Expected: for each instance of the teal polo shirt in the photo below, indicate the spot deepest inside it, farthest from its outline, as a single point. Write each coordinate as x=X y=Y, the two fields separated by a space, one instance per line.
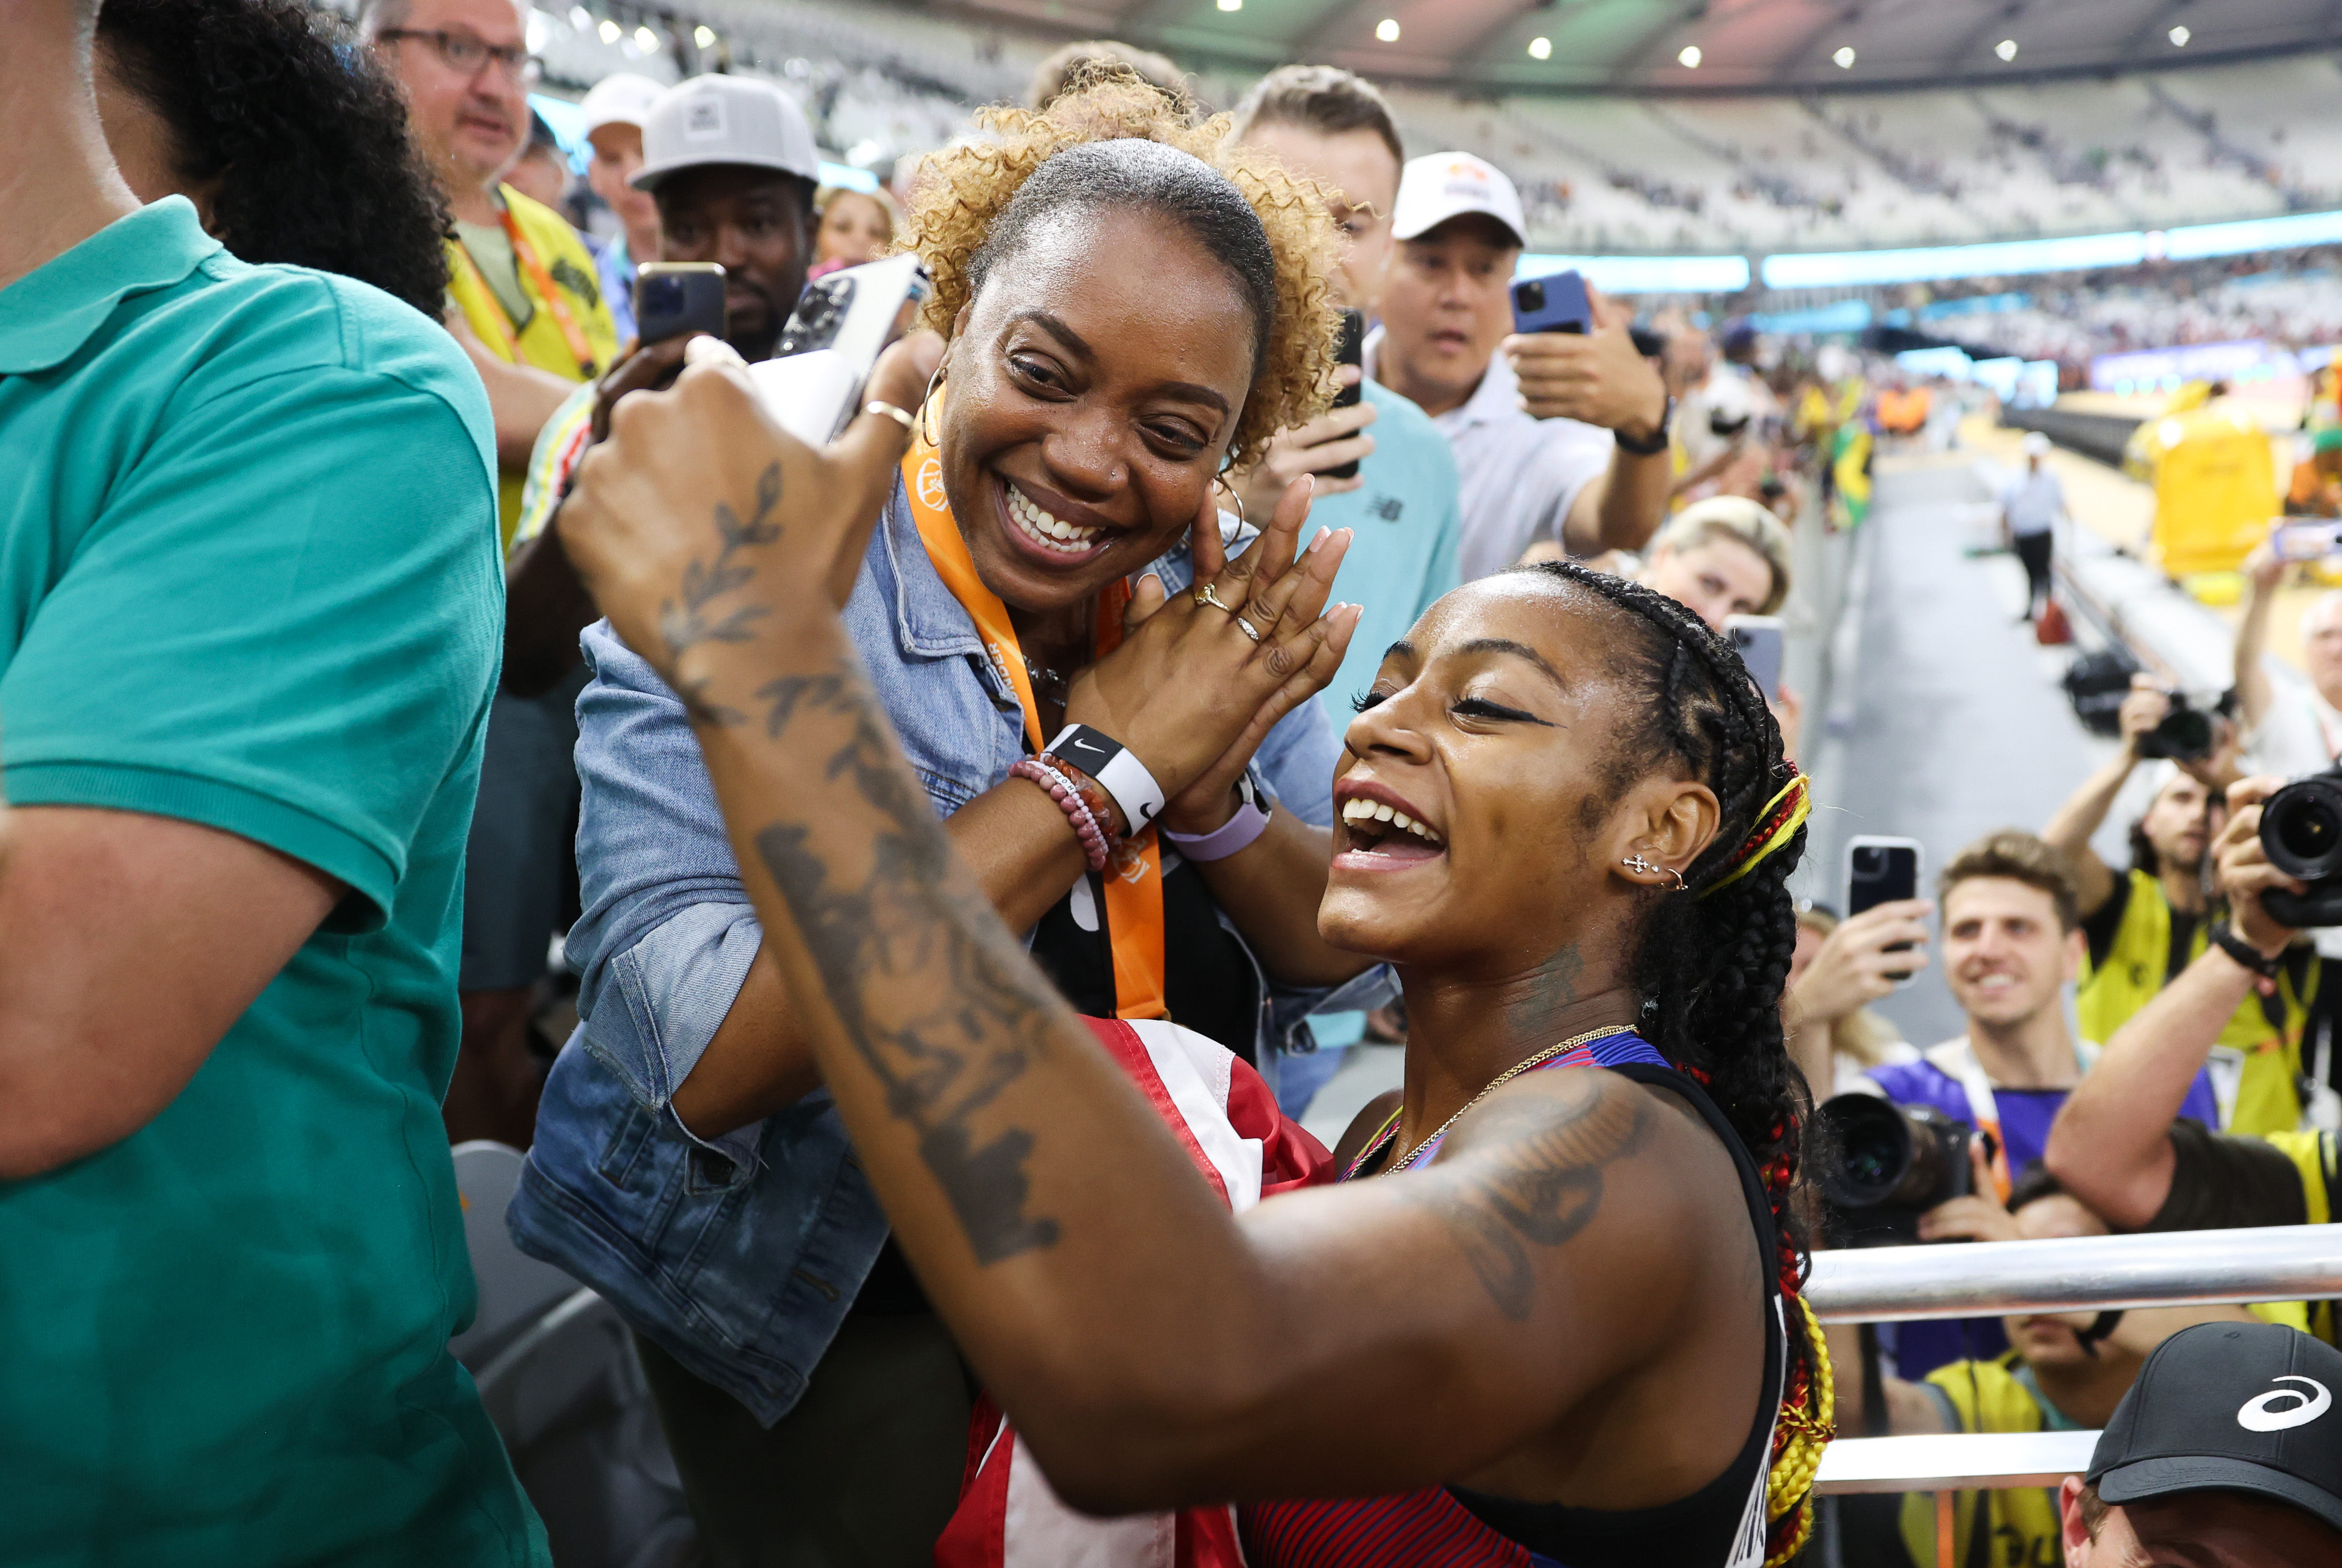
x=249 y=578
x=1405 y=524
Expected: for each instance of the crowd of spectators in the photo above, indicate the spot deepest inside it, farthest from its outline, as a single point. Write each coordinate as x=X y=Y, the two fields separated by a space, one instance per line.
x=364 y=797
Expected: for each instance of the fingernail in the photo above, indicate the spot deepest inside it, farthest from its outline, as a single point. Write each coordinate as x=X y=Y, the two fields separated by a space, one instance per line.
x=1316 y=539
x=1311 y=481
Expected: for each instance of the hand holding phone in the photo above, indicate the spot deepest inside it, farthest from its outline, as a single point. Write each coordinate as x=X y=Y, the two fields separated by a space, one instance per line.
x=813 y=386
x=676 y=299
x=1882 y=870
x=1555 y=303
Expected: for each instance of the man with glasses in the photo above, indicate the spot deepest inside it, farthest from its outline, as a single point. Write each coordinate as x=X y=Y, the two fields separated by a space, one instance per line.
x=522 y=284
x=525 y=303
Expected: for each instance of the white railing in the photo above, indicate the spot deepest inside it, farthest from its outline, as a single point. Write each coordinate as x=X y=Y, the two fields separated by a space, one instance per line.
x=2086 y=1273
x=1986 y=1279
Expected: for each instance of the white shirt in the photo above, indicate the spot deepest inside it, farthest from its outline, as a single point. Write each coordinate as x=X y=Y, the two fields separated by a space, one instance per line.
x=1519 y=475
x=2034 y=503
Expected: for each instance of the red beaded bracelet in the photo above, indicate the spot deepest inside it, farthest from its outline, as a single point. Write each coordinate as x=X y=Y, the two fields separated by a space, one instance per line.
x=1069 y=800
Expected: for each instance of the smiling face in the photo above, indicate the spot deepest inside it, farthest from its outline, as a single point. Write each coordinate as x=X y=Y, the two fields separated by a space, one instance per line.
x=2005 y=955
x=1717 y=577
x=752 y=223
x=1483 y=808
x=1094 y=385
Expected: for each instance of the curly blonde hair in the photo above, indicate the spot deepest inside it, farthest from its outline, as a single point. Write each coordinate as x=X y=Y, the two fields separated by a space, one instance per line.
x=962 y=191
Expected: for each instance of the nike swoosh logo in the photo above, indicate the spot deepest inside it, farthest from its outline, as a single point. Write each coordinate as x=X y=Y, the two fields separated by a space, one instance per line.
x=1080 y=745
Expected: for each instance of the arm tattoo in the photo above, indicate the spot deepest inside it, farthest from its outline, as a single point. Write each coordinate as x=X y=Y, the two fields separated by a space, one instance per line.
x=934 y=993
x=1538 y=1182
x=689 y=624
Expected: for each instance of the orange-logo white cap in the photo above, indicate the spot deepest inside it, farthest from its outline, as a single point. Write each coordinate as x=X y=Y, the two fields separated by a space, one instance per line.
x=1442 y=185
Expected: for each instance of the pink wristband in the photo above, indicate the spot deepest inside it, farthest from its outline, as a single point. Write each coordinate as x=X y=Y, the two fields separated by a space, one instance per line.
x=1069 y=801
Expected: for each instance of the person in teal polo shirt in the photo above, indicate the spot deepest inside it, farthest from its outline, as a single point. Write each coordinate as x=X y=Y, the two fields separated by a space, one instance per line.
x=1335 y=127
x=249 y=607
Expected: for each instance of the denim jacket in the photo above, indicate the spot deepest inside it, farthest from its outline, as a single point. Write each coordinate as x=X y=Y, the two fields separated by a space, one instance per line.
x=740 y=1254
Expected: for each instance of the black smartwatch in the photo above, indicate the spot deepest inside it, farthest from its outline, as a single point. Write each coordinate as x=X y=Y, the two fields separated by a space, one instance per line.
x=2242 y=952
x=1658 y=441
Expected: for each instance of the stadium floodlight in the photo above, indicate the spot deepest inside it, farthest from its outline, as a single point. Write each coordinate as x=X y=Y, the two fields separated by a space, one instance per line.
x=1690 y=57
x=648 y=40
x=609 y=31
x=1231 y=5
x=2005 y=49
x=2179 y=37
x=1388 y=30
x=704 y=35
x=1540 y=48
x=580 y=19
x=1845 y=58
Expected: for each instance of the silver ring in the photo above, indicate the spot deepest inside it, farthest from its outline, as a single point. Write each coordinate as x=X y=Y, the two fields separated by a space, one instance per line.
x=899 y=416
x=1243 y=626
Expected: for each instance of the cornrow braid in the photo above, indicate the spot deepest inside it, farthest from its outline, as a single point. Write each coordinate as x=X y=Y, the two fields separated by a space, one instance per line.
x=1710 y=970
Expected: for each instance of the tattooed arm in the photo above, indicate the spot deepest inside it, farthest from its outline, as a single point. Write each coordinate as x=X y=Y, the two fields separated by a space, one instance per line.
x=1549 y=1284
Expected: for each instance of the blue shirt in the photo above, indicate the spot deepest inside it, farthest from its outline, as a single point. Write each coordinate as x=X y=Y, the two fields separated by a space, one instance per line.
x=741 y=1254
x=1403 y=550
x=615 y=269
x=249 y=580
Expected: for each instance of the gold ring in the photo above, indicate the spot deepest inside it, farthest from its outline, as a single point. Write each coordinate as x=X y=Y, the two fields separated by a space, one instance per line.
x=899 y=415
x=1209 y=594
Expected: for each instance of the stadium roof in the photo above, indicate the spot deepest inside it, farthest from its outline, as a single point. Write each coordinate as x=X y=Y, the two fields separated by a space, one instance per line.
x=1740 y=45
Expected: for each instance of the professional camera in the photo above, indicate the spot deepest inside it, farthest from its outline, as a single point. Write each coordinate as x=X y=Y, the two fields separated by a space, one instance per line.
x=2185 y=736
x=2301 y=831
x=1890 y=1165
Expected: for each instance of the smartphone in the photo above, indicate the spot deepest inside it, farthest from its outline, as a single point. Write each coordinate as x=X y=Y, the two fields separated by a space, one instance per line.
x=673 y=299
x=813 y=386
x=1556 y=303
x=1757 y=640
x=1350 y=348
x=1881 y=871
x=2310 y=541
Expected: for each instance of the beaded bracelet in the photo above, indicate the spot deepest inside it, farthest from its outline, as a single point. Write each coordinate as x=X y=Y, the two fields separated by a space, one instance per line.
x=1069 y=801
x=1094 y=794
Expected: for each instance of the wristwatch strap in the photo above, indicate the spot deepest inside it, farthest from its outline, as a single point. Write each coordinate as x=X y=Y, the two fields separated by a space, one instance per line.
x=1118 y=773
x=1237 y=833
x=1658 y=439
x=2243 y=952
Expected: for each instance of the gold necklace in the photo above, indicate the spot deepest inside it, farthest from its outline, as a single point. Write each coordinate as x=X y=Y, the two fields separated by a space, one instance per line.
x=1498 y=1082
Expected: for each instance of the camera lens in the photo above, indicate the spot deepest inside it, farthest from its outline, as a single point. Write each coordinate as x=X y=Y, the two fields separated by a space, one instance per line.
x=1529 y=295
x=1873 y=1148
x=661 y=295
x=2301 y=829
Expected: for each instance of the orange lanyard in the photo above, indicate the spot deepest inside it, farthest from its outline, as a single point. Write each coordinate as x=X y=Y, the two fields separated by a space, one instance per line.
x=1133 y=882
x=525 y=254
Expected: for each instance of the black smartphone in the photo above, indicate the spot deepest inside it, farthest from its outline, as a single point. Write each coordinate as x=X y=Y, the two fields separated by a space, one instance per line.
x=1350 y=348
x=1881 y=870
x=1555 y=303
x=675 y=298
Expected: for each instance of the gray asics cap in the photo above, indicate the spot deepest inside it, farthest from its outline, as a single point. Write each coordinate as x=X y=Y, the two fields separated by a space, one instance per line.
x=725 y=120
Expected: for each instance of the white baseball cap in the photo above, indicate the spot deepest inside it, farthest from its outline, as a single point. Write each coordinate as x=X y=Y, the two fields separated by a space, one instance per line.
x=725 y=120
x=1443 y=186
x=620 y=100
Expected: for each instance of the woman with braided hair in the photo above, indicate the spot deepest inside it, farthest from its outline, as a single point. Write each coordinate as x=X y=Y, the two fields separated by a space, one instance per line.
x=1540 y=1310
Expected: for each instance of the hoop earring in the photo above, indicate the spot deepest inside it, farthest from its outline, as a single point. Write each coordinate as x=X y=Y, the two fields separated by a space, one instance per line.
x=933 y=380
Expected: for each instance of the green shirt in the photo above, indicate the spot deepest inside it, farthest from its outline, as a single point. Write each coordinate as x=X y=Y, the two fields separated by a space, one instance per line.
x=248 y=578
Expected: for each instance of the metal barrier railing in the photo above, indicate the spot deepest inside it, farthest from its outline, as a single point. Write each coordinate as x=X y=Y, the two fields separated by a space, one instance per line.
x=1984 y=1279
x=2086 y=1273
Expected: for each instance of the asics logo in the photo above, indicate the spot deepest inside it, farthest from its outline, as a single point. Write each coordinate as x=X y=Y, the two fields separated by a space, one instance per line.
x=2259 y=1415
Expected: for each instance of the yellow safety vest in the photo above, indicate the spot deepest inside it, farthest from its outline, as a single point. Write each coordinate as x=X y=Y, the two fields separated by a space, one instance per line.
x=2312 y=1154
x=541 y=341
x=2136 y=967
x=2021 y=1521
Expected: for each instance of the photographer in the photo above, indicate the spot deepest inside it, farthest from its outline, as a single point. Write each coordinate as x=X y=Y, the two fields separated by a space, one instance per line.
x=2064 y=1371
x=2115 y=1143
x=1558 y=436
x=2011 y=942
x=2144 y=926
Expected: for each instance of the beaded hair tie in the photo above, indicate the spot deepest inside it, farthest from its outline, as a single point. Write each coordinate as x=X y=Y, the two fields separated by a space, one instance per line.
x=1776 y=824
